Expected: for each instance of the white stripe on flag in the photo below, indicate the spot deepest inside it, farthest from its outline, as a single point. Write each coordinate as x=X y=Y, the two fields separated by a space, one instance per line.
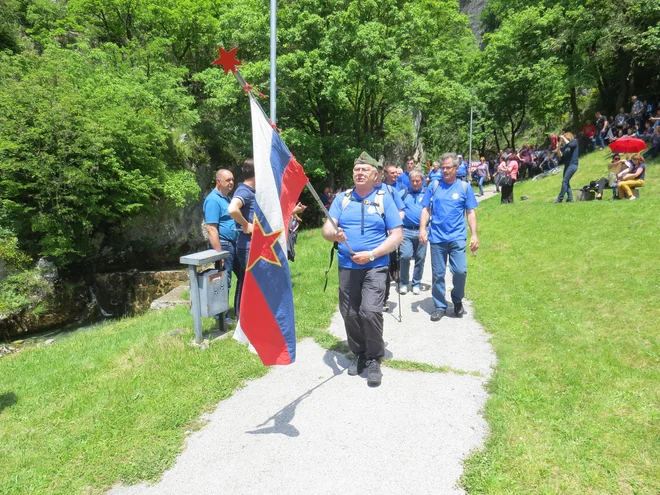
x=266 y=194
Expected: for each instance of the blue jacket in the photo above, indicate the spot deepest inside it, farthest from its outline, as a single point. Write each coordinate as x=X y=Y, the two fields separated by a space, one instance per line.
x=570 y=153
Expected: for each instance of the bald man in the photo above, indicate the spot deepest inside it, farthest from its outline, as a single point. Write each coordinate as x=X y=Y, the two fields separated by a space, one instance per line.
x=220 y=226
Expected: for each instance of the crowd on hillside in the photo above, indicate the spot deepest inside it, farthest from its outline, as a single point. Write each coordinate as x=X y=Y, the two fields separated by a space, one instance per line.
x=512 y=166
x=643 y=122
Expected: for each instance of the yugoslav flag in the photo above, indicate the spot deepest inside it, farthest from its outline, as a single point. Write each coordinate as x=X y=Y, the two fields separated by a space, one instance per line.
x=266 y=315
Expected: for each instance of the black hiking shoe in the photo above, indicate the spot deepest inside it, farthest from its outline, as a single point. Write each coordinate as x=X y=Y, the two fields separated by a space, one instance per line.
x=437 y=314
x=458 y=310
x=358 y=365
x=374 y=375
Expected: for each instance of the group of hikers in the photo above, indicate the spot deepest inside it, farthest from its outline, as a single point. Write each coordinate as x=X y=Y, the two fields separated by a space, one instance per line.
x=382 y=225
x=382 y=212
x=384 y=222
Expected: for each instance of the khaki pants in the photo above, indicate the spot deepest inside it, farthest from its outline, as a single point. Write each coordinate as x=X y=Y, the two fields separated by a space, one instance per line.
x=625 y=187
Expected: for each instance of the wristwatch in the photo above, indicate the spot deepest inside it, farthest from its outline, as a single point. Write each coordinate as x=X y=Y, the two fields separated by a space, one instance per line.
x=371 y=256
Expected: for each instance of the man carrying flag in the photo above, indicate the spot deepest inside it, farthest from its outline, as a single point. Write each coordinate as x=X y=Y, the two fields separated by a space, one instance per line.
x=266 y=315
x=369 y=222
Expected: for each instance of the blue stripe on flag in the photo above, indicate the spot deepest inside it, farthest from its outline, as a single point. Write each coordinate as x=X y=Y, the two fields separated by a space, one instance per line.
x=279 y=159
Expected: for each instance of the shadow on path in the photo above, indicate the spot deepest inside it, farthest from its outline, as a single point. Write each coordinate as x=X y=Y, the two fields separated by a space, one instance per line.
x=282 y=418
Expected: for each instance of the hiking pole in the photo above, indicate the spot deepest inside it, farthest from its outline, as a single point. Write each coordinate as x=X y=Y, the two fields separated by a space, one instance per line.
x=398 y=276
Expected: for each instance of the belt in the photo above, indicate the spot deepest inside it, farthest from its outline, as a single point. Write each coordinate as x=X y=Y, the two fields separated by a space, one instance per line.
x=411 y=228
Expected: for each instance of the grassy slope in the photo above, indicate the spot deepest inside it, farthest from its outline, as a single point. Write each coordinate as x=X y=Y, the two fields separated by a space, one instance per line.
x=113 y=403
x=574 y=400
x=571 y=294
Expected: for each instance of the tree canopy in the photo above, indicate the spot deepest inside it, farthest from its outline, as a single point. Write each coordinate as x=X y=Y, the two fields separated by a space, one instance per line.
x=111 y=109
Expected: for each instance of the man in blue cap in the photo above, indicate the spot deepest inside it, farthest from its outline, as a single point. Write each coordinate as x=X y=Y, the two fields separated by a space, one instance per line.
x=368 y=221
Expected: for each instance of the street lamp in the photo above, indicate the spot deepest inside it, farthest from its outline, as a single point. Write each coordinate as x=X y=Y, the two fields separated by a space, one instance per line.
x=470 y=154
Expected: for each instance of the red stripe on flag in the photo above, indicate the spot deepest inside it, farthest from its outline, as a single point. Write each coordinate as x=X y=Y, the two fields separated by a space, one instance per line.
x=293 y=181
x=261 y=327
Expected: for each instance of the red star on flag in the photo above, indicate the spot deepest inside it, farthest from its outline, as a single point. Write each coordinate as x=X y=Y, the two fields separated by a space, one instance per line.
x=227 y=59
x=262 y=245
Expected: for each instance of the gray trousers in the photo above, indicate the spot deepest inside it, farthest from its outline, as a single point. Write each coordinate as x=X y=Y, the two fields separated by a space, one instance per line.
x=361 y=298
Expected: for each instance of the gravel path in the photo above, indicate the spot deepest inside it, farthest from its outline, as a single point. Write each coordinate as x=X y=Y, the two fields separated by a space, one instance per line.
x=311 y=428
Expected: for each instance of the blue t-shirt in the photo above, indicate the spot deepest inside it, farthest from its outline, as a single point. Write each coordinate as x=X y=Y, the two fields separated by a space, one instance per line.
x=393 y=192
x=434 y=175
x=375 y=227
x=462 y=169
x=216 y=211
x=450 y=201
x=246 y=195
x=403 y=181
x=412 y=201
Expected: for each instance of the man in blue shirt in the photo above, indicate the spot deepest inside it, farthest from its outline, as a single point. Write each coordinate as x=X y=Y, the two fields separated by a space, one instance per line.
x=220 y=227
x=403 y=181
x=241 y=210
x=463 y=172
x=390 y=187
x=444 y=204
x=410 y=246
x=368 y=222
x=434 y=173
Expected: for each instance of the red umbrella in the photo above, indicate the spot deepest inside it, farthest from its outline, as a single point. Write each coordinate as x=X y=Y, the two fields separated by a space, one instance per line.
x=628 y=145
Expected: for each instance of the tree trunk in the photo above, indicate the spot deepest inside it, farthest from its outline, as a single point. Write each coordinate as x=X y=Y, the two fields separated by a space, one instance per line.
x=625 y=62
x=574 y=109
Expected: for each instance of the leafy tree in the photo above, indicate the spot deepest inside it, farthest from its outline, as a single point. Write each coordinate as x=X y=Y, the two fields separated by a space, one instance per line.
x=83 y=140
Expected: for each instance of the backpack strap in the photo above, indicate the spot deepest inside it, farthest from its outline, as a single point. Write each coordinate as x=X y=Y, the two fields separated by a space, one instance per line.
x=378 y=202
x=334 y=247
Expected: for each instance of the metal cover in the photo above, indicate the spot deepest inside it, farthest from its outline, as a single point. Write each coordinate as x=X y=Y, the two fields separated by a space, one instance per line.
x=213 y=292
x=203 y=257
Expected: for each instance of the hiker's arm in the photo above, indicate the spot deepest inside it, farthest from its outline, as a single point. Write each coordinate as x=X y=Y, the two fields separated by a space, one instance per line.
x=214 y=236
x=423 y=222
x=330 y=234
x=234 y=210
x=472 y=223
x=393 y=240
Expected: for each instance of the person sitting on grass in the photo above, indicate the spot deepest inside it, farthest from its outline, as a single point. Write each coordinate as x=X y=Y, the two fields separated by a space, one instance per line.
x=632 y=177
x=614 y=167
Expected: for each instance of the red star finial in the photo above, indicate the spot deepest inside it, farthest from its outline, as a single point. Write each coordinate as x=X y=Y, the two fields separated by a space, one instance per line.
x=261 y=245
x=227 y=59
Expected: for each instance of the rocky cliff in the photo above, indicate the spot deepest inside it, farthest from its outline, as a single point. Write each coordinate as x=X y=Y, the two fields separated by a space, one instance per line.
x=473 y=8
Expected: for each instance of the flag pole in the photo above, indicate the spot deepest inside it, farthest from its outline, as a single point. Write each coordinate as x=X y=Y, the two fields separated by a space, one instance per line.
x=229 y=63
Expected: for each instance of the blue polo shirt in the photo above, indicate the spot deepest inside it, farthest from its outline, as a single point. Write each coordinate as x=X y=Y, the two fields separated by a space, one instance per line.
x=216 y=210
x=403 y=181
x=412 y=206
x=462 y=169
x=393 y=192
x=450 y=202
x=434 y=175
x=375 y=227
x=246 y=195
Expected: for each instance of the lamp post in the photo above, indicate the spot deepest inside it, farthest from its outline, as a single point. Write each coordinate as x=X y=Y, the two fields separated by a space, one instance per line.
x=273 y=60
x=470 y=154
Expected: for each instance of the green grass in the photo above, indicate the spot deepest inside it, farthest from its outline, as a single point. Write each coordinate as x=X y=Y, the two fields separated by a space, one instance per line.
x=571 y=294
x=112 y=403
